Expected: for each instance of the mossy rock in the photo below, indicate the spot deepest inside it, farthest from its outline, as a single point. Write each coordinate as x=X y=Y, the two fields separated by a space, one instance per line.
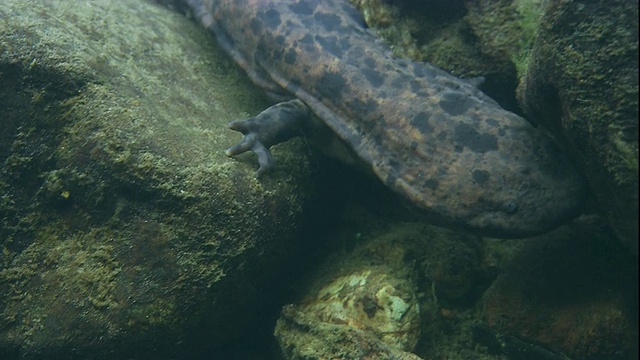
x=124 y=227
x=582 y=85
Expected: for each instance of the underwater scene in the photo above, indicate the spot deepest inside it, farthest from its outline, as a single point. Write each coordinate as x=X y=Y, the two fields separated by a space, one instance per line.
x=319 y=179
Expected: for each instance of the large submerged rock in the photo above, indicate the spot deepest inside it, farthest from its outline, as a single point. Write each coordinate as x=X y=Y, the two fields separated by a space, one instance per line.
x=361 y=305
x=582 y=84
x=124 y=228
x=399 y=293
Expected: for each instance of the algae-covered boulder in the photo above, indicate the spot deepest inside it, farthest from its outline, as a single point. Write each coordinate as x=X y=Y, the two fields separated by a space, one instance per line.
x=124 y=228
x=360 y=305
x=582 y=84
x=402 y=292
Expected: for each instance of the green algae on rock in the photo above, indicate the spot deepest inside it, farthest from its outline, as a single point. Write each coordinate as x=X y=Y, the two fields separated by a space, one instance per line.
x=389 y=293
x=582 y=85
x=360 y=306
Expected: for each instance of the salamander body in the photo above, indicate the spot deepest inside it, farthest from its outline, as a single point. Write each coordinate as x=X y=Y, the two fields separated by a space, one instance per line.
x=431 y=137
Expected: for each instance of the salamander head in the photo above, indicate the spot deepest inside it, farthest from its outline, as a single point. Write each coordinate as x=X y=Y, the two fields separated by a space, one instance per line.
x=505 y=179
x=542 y=199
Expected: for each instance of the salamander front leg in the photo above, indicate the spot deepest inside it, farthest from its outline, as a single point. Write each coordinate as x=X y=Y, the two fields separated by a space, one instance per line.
x=274 y=125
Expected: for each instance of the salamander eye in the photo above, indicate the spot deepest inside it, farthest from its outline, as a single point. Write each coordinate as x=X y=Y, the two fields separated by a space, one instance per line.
x=510 y=207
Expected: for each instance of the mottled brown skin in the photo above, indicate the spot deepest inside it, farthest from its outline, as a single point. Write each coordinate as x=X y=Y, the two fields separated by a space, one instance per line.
x=429 y=136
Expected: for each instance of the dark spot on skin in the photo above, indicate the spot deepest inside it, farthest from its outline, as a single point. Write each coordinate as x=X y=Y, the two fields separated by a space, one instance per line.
x=415 y=86
x=256 y=26
x=455 y=103
x=271 y=18
x=331 y=85
x=360 y=108
x=279 y=40
x=330 y=44
x=501 y=131
x=371 y=106
x=369 y=62
x=356 y=104
x=377 y=139
x=483 y=143
x=290 y=57
x=413 y=145
x=421 y=122
x=260 y=53
x=431 y=184
x=480 y=176
x=303 y=8
x=306 y=40
x=465 y=135
x=375 y=79
x=329 y=21
x=276 y=55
